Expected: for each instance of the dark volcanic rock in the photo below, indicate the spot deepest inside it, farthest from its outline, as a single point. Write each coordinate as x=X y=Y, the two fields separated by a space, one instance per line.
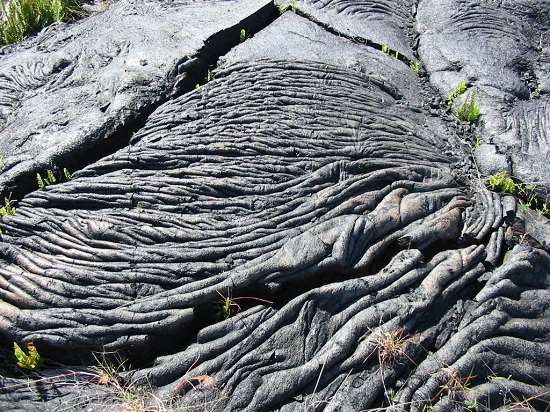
x=501 y=49
x=66 y=91
x=308 y=174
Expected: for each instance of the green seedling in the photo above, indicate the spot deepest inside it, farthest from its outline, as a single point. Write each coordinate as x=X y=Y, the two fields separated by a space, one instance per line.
x=282 y=8
x=396 y=55
x=415 y=66
x=293 y=7
x=243 y=36
x=8 y=208
x=530 y=199
x=469 y=110
x=27 y=361
x=497 y=180
x=392 y=395
x=228 y=306
x=2 y=164
x=67 y=174
x=385 y=48
x=40 y=181
x=499 y=378
x=50 y=178
x=458 y=91
x=207 y=78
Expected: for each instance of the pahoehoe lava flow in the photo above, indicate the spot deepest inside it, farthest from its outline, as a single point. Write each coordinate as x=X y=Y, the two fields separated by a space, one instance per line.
x=319 y=188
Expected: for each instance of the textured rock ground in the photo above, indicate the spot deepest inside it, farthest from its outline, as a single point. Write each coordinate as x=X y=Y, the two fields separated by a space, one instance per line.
x=319 y=181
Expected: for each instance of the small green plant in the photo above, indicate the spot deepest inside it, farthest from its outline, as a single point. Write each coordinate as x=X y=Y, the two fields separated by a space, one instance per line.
x=50 y=178
x=2 y=164
x=392 y=396
x=385 y=48
x=415 y=66
x=471 y=404
x=21 y=18
x=67 y=174
x=8 y=208
x=24 y=360
x=293 y=6
x=529 y=197
x=469 y=109
x=46 y=181
x=282 y=8
x=228 y=306
x=503 y=183
x=495 y=377
x=461 y=88
x=243 y=36
x=396 y=54
x=207 y=78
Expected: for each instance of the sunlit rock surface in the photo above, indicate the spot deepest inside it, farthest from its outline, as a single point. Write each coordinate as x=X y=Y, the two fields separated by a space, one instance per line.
x=317 y=181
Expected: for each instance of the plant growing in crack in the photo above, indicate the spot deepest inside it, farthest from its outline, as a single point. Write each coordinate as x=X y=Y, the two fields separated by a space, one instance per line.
x=243 y=36
x=527 y=194
x=228 y=306
x=51 y=177
x=207 y=78
x=7 y=209
x=460 y=89
x=415 y=66
x=29 y=360
x=469 y=109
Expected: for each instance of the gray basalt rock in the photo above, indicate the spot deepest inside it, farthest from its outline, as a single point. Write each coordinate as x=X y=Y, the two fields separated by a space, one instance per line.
x=502 y=51
x=71 y=88
x=369 y=265
x=373 y=22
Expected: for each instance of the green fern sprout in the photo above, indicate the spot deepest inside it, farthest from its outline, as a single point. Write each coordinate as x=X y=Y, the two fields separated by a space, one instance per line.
x=50 y=179
x=7 y=209
x=469 y=110
x=415 y=66
x=458 y=91
x=243 y=37
x=530 y=199
x=67 y=174
x=27 y=361
x=501 y=181
x=40 y=181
